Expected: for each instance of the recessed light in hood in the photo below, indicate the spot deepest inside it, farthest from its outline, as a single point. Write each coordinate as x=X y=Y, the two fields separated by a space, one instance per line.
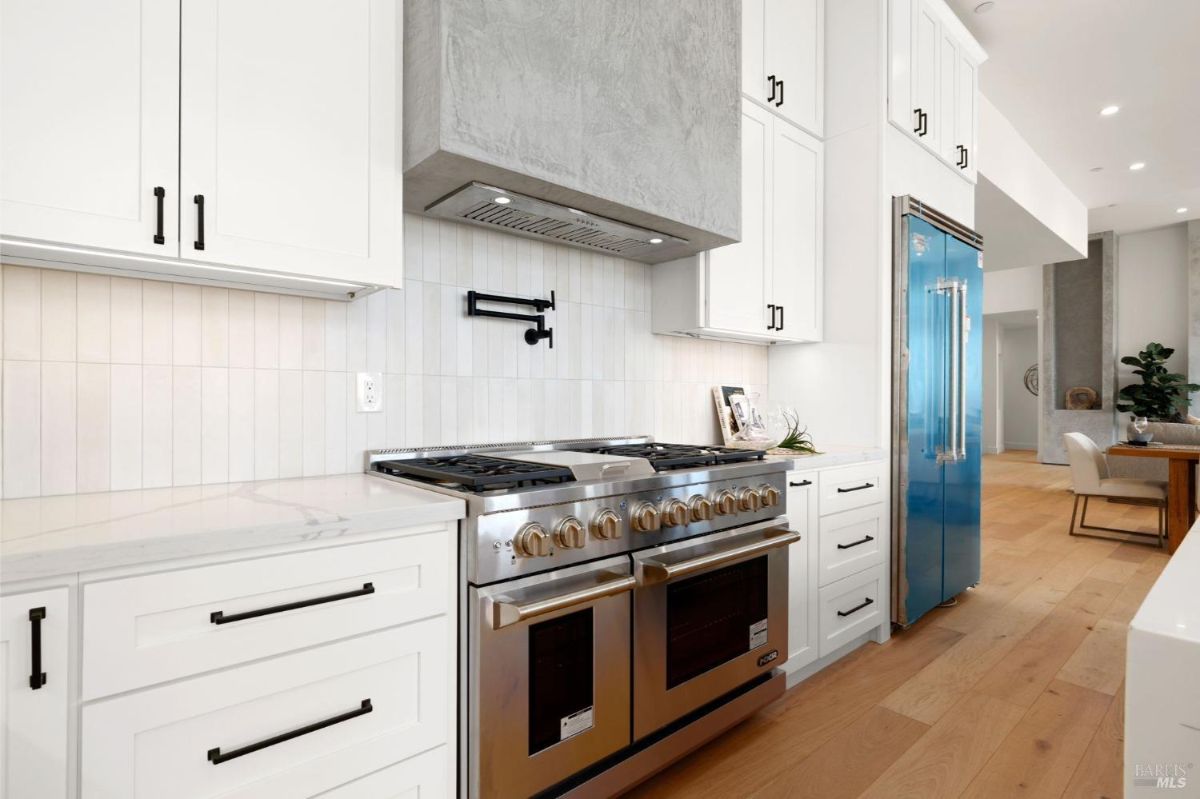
x=489 y=206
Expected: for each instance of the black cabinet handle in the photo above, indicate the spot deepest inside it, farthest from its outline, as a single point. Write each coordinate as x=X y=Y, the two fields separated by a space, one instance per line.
x=866 y=601
x=219 y=617
x=772 y=325
x=159 y=195
x=779 y=102
x=966 y=158
x=856 y=488
x=917 y=129
x=37 y=677
x=199 y=201
x=771 y=83
x=800 y=484
x=780 y=318
x=216 y=756
x=859 y=542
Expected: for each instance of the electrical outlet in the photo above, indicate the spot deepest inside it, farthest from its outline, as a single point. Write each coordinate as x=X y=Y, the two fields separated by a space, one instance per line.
x=370 y=392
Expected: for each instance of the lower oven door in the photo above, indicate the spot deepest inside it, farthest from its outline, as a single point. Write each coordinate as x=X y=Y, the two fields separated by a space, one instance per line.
x=548 y=677
x=710 y=614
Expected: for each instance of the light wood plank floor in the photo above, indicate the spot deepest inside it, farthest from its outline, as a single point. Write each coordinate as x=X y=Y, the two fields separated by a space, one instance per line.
x=1015 y=691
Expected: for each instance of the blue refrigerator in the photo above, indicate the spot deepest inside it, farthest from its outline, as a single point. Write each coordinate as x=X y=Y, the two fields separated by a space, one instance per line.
x=937 y=411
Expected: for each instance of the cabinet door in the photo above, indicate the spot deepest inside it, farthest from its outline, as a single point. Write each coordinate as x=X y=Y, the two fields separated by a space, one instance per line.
x=737 y=273
x=802 y=586
x=794 y=38
x=754 y=75
x=89 y=122
x=796 y=280
x=33 y=708
x=425 y=776
x=947 y=117
x=289 y=133
x=966 y=111
x=926 y=38
x=900 y=96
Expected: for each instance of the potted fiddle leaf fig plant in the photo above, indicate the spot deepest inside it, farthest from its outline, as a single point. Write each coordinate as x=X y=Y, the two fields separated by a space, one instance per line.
x=1162 y=396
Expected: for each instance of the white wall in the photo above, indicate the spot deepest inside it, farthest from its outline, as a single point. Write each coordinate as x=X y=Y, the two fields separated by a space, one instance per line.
x=115 y=383
x=1152 y=294
x=1018 y=351
x=1010 y=290
x=993 y=406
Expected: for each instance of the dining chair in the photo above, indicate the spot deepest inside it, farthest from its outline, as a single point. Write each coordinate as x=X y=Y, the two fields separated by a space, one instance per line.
x=1089 y=478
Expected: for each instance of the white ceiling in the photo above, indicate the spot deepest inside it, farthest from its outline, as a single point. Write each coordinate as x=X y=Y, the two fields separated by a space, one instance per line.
x=1053 y=64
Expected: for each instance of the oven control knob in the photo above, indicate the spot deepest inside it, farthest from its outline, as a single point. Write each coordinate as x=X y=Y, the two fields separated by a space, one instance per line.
x=725 y=502
x=701 y=509
x=606 y=525
x=532 y=541
x=674 y=513
x=749 y=499
x=570 y=533
x=769 y=494
x=646 y=518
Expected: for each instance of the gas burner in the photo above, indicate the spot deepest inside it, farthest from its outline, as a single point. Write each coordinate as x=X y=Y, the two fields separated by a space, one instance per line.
x=476 y=472
x=665 y=457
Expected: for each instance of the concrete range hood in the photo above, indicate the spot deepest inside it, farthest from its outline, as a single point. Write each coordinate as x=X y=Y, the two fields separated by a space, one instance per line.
x=610 y=124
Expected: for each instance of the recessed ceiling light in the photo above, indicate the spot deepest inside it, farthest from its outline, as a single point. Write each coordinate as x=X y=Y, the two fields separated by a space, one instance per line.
x=1181 y=210
x=659 y=241
x=1109 y=110
x=502 y=200
x=1136 y=165
x=984 y=7
x=1097 y=169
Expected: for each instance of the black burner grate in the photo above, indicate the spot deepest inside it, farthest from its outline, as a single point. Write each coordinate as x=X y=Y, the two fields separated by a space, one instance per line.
x=664 y=457
x=476 y=472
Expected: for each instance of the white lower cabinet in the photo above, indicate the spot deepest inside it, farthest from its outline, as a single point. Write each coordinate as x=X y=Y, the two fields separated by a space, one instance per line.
x=851 y=541
x=34 y=631
x=802 y=560
x=849 y=608
x=290 y=726
x=425 y=776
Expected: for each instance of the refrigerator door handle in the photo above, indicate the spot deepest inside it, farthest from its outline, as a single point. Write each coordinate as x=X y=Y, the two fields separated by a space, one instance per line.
x=955 y=441
x=964 y=330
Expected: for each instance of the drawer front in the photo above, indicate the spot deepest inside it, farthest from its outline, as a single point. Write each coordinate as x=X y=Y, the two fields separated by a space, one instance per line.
x=849 y=608
x=851 y=487
x=294 y=725
x=144 y=630
x=425 y=776
x=850 y=542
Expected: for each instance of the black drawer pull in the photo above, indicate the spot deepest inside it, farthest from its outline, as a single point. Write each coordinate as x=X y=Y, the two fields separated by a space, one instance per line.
x=801 y=484
x=859 y=542
x=862 y=487
x=219 y=617
x=856 y=608
x=216 y=756
x=37 y=677
x=159 y=194
x=199 y=201
x=772 y=325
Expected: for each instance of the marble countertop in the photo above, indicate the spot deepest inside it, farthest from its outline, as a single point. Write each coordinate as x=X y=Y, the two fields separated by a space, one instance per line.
x=1171 y=608
x=833 y=455
x=48 y=536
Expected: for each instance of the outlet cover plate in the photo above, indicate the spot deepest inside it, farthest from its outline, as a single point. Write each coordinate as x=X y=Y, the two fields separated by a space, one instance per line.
x=370 y=392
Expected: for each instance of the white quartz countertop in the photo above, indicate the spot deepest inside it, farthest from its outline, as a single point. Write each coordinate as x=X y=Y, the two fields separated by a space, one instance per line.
x=1172 y=608
x=48 y=536
x=833 y=455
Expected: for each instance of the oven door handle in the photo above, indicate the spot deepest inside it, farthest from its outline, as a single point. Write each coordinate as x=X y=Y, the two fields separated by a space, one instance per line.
x=506 y=613
x=654 y=571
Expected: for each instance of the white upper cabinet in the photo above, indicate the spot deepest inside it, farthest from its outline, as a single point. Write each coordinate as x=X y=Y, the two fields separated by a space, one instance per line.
x=288 y=133
x=796 y=219
x=933 y=85
x=239 y=141
x=783 y=58
x=89 y=123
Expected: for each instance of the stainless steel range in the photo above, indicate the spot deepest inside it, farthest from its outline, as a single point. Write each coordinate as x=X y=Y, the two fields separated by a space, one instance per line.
x=623 y=601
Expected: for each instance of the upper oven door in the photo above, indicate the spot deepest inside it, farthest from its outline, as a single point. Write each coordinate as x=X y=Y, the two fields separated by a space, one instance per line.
x=709 y=614
x=548 y=676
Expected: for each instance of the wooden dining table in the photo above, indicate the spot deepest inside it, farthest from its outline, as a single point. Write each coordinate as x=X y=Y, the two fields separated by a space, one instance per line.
x=1181 y=483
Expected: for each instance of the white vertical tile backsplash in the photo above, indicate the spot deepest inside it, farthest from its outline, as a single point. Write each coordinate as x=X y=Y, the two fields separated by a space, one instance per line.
x=114 y=383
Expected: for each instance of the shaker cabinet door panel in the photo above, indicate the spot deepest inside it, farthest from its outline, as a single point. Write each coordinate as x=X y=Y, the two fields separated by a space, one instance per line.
x=926 y=38
x=89 y=122
x=289 y=133
x=966 y=114
x=794 y=36
x=796 y=227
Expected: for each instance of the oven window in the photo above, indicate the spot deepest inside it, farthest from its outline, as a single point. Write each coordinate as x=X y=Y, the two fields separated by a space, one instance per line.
x=714 y=617
x=560 y=679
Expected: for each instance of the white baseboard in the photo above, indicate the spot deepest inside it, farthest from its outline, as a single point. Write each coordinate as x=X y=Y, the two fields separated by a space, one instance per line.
x=1021 y=446
x=993 y=450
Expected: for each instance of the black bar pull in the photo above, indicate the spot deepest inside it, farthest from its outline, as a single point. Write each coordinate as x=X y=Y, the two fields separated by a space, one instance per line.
x=854 y=544
x=866 y=601
x=216 y=756
x=917 y=129
x=772 y=325
x=219 y=617
x=37 y=677
x=199 y=201
x=966 y=158
x=780 y=318
x=771 y=82
x=856 y=488
x=800 y=484
x=780 y=101
x=159 y=194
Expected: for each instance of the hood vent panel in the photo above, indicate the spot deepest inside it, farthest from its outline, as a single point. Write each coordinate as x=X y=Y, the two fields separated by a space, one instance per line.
x=527 y=216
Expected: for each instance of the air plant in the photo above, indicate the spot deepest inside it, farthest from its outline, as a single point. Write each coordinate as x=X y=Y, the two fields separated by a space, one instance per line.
x=796 y=439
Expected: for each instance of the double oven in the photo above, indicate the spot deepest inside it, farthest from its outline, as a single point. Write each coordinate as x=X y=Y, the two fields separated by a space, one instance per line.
x=573 y=669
